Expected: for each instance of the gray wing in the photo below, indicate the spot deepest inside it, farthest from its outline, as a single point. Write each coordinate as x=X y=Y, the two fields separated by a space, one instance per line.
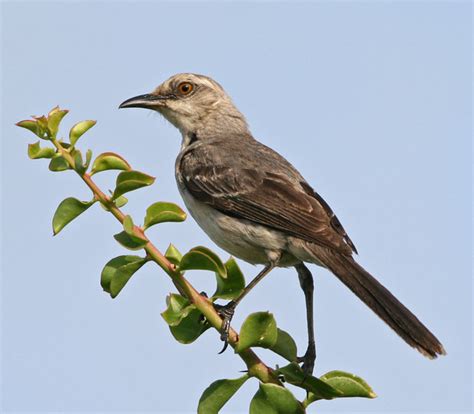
x=272 y=194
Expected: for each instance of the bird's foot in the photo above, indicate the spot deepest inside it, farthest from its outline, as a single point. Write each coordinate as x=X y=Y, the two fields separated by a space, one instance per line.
x=226 y=312
x=308 y=359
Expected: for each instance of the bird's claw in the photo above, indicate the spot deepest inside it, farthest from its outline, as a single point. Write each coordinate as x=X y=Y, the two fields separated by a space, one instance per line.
x=226 y=312
x=308 y=360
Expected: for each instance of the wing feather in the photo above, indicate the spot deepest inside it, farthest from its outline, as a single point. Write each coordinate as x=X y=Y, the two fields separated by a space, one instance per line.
x=266 y=197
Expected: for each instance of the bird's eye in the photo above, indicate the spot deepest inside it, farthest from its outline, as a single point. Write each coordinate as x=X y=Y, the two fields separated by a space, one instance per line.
x=185 y=88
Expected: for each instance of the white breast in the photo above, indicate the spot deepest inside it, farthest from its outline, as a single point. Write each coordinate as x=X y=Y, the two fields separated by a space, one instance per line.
x=251 y=242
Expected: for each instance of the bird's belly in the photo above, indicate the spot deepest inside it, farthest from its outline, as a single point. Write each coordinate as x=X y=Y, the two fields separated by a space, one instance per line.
x=241 y=238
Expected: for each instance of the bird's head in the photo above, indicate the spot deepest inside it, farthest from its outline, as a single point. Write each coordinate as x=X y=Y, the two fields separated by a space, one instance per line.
x=193 y=104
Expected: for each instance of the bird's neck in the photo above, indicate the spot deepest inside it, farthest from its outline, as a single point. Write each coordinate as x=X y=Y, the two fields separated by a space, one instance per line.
x=215 y=125
x=225 y=121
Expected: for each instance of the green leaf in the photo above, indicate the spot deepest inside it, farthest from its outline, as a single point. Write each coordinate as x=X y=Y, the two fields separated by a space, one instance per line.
x=35 y=151
x=163 y=212
x=202 y=258
x=190 y=327
x=131 y=180
x=58 y=163
x=67 y=211
x=231 y=286
x=177 y=308
x=259 y=329
x=120 y=201
x=109 y=161
x=128 y=225
x=348 y=384
x=79 y=129
x=218 y=393
x=78 y=162
x=285 y=346
x=55 y=117
x=122 y=275
x=185 y=321
x=88 y=159
x=294 y=375
x=30 y=125
x=130 y=242
x=173 y=255
x=118 y=271
x=42 y=127
x=274 y=399
x=111 y=266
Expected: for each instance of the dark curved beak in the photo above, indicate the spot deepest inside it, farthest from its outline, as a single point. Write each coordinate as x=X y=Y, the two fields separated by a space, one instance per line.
x=148 y=101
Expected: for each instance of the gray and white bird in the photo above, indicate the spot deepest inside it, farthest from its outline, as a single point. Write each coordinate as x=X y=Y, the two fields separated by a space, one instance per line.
x=255 y=205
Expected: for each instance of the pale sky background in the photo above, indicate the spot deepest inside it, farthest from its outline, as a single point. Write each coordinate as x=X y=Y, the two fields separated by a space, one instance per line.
x=371 y=101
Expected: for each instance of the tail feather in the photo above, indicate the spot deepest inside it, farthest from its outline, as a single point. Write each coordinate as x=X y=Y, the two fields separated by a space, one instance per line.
x=381 y=301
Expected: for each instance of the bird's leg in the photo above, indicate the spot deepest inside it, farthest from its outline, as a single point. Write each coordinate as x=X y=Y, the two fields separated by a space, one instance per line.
x=306 y=282
x=227 y=311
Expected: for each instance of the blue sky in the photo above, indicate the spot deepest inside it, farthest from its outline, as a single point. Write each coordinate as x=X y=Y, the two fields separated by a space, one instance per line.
x=371 y=101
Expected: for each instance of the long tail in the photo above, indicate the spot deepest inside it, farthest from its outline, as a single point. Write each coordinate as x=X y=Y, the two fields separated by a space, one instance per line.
x=381 y=301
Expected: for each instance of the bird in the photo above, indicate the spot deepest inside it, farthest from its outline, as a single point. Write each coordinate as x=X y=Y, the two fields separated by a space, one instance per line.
x=256 y=206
